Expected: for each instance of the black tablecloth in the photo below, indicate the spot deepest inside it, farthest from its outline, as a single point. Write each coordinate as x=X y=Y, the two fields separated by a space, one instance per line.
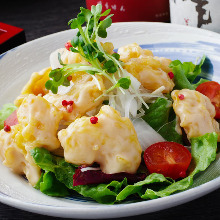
x=42 y=17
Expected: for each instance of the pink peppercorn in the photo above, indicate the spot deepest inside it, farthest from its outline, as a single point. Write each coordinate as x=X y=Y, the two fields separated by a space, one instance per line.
x=69 y=108
x=94 y=120
x=64 y=103
x=7 y=128
x=70 y=103
x=171 y=75
x=68 y=45
x=181 y=96
x=69 y=78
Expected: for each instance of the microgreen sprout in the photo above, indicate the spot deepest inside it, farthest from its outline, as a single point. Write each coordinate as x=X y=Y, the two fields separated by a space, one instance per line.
x=86 y=43
x=123 y=83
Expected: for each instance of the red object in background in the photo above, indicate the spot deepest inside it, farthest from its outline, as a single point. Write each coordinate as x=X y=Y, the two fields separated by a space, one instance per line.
x=140 y=10
x=10 y=37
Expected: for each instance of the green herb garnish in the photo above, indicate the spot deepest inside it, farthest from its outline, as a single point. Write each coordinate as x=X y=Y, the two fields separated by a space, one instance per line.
x=86 y=43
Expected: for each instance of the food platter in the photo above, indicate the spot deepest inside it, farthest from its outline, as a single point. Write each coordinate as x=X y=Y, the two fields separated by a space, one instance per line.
x=171 y=41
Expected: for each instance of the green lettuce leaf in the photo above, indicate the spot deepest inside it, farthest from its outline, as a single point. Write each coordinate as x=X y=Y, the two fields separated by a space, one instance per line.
x=6 y=110
x=200 y=82
x=174 y=187
x=53 y=183
x=138 y=187
x=162 y=119
x=49 y=185
x=102 y=193
x=180 y=78
x=63 y=172
x=37 y=186
x=46 y=161
x=203 y=152
x=185 y=73
x=158 y=113
x=168 y=132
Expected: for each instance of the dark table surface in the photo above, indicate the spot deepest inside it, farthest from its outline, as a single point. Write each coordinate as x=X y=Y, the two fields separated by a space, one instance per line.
x=43 y=17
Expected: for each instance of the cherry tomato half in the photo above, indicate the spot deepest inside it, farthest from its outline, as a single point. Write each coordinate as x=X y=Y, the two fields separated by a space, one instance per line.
x=12 y=119
x=168 y=158
x=212 y=91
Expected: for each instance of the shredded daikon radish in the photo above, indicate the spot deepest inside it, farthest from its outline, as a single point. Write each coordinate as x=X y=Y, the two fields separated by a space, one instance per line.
x=54 y=61
x=159 y=90
x=111 y=100
x=97 y=82
x=142 y=113
x=146 y=134
x=129 y=104
x=65 y=89
x=89 y=168
x=92 y=112
x=134 y=82
x=134 y=108
x=127 y=101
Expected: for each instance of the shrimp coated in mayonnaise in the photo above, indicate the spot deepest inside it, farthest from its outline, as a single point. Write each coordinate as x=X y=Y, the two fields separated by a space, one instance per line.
x=151 y=71
x=112 y=142
x=195 y=111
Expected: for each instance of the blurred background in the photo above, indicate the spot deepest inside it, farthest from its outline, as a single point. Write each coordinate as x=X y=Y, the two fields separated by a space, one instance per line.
x=42 y=17
x=131 y=10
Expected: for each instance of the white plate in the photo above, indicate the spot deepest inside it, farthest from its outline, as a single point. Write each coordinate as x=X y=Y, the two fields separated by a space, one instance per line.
x=16 y=66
